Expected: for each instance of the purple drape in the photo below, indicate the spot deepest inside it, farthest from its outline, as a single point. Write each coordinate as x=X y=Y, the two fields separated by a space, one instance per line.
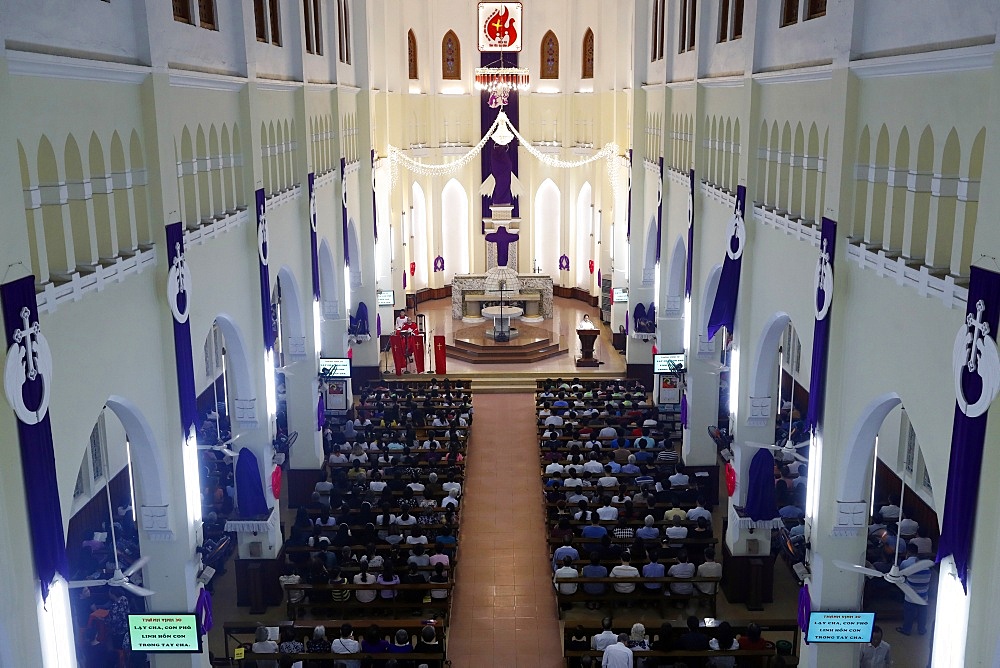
x=265 y=278
x=761 y=503
x=187 y=396
x=727 y=296
x=320 y=412
x=821 y=329
x=343 y=209
x=488 y=115
x=313 y=246
x=659 y=210
x=628 y=205
x=684 y=410
x=969 y=429
x=374 y=200
x=689 y=270
x=249 y=487
x=38 y=462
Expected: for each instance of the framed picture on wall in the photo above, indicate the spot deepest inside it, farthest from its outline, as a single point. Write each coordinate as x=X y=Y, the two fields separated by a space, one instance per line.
x=336 y=395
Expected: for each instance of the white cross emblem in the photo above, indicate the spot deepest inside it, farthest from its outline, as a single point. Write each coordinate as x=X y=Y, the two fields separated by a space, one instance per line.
x=28 y=359
x=690 y=209
x=312 y=209
x=263 y=236
x=823 y=280
x=343 y=190
x=975 y=351
x=737 y=231
x=179 y=281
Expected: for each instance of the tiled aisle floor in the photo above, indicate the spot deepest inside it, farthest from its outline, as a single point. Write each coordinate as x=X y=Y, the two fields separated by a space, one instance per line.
x=504 y=612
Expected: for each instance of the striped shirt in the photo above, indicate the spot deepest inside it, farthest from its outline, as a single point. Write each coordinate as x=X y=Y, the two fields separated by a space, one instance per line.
x=920 y=581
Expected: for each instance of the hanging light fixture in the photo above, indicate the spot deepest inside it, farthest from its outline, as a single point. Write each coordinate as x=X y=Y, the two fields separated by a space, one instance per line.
x=500 y=82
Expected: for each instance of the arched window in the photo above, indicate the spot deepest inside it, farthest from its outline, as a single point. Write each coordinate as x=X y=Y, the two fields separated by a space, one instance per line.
x=588 y=55
x=451 y=56
x=411 y=54
x=550 y=56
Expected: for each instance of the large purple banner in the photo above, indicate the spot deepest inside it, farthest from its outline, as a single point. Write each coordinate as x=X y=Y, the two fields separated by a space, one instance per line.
x=263 y=242
x=628 y=199
x=313 y=245
x=690 y=249
x=179 y=298
x=374 y=200
x=823 y=283
x=976 y=365
x=488 y=115
x=28 y=385
x=726 y=297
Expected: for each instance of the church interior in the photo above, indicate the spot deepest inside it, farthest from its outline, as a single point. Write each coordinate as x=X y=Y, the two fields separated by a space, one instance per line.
x=342 y=327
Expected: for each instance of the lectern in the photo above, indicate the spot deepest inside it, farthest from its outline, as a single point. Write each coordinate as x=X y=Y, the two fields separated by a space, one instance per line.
x=587 y=339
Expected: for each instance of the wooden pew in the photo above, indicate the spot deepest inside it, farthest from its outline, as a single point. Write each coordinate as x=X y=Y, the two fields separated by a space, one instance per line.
x=352 y=607
x=641 y=593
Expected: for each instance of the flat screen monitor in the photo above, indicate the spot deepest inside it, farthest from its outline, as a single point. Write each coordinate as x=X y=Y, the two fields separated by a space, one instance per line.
x=164 y=633
x=335 y=367
x=840 y=627
x=385 y=297
x=619 y=295
x=668 y=363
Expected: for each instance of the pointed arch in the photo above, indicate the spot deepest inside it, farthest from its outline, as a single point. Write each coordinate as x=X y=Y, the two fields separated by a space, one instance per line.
x=238 y=365
x=149 y=471
x=293 y=324
x=354 y=248
x=549 y=68
x=584 y=234
x=330 y=289
x=587 y=69
x=411 y=55
x=451 y=56
x=84 y=237
x=201 y=170
x=546 y=224
x=649 y=253
x=455 y=224
x=103 y=200
x=895 y=220
x=969 y=195
x=674 y=306
x=420 y=251
x=861 y=183
x=708 y=301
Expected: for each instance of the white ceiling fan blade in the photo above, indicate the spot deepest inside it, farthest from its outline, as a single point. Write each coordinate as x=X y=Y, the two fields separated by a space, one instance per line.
x=801 y=458
x=871 y=572
x=136 y=589
x=921 y=565
x=911 y=595
x=762 y=446
x=134 y=568
x=77 y=584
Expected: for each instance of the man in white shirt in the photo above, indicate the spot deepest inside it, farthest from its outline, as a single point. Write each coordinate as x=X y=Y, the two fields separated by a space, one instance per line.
x=679 y=479
x=607 y=512
x=625 y=570
x=565 y=571
x=618 y=655
x=451 y=485
x=607 y=432
x=676 y=531
x=554 y=467
x=606 y=637
x=593 y=464
x=554 y=421
x=877 y=653
x=346 y=644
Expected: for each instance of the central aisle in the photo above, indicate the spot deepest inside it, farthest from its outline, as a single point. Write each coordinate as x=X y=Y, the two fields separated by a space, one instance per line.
x=504 y=613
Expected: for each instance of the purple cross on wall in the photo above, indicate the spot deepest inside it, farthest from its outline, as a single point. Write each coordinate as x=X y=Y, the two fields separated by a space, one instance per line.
x=503 y=239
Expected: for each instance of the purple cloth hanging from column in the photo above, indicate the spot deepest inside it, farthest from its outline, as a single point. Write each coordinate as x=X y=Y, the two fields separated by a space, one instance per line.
x=689 y=270
x=263 y=242
x=659 y=210
x=313 y=246
x=628 y=205
x=179 y=283
x=726 y=297
x=821 y=329
x=320 y=412
x=684 y=410
x=976 y=387
x=343 y=209
x=250 y=487
x=374 y=200
x=761 y=504
x=29 y=356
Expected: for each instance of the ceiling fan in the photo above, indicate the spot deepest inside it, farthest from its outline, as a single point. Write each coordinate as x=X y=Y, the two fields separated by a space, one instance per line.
x=896 y=575
x=223 y=447
x=120 y=578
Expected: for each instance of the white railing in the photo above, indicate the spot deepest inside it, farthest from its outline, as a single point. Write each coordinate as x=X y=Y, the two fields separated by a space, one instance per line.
x=208 y=231
x=94 y=279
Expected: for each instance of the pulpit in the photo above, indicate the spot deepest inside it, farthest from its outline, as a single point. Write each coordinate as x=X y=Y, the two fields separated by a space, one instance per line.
x=587 y=339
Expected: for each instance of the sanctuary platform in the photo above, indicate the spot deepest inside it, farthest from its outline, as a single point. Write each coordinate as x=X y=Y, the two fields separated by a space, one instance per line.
x=532 y=344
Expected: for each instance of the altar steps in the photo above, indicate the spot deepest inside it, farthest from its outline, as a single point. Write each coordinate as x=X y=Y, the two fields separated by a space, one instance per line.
x=513 y=352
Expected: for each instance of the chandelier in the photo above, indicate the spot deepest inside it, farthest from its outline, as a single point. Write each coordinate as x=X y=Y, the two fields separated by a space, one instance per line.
x=499 y=82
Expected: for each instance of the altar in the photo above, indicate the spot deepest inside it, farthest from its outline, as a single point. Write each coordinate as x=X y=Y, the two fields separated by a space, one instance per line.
x=469 y=295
